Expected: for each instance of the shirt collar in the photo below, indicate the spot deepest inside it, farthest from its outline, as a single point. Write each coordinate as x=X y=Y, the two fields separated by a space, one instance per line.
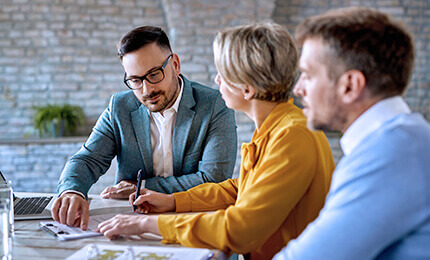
x=175 y=105
x=371 y=120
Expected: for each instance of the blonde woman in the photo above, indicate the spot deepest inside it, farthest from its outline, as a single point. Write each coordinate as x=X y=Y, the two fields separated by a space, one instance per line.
x=285 y=169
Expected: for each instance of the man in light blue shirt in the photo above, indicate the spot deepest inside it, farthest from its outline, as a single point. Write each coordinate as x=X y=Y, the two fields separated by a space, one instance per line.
x=356 y=64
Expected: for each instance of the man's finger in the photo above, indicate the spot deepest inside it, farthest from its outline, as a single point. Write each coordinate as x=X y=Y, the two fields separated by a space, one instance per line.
x=126 y=190
x=123 y=184
x=85 y=215
x=55 y=208
x=71 y=213
x=122 y=193
x=108 y=191
x=63 y=210
x=104 y=193
x=77 y=221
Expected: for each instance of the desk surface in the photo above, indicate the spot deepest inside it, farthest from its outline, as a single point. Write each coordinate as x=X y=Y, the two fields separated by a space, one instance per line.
x=30 y=242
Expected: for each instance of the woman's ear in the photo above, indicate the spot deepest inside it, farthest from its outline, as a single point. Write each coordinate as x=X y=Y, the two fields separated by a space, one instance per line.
x=351 y=85
x=248 y=92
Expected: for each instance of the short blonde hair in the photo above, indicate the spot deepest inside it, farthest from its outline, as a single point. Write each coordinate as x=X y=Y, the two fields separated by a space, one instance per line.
x=261 y=55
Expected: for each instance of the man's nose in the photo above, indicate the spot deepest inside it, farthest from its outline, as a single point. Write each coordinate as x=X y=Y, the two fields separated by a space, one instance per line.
x=299 y=89
x=148 y=88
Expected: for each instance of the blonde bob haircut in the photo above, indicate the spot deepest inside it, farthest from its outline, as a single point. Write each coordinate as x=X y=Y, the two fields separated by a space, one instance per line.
x=262 y=55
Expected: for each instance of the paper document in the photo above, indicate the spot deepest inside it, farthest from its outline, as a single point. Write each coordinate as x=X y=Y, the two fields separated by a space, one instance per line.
x=63 y=232
x=99 y=206
x=112 y=252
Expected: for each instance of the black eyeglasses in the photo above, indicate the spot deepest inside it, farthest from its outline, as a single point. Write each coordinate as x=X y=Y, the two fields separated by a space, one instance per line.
x=153 y=77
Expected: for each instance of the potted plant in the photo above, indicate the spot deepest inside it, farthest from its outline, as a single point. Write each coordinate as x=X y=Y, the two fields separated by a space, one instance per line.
x=58 y=120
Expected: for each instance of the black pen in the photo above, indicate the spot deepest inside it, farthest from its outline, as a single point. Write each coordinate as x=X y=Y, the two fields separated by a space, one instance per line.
x=139 y=183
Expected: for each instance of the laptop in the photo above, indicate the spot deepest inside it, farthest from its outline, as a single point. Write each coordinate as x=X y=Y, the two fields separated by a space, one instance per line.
x=30 y=207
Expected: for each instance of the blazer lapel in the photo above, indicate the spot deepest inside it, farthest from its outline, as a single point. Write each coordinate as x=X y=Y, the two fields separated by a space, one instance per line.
x=141 y=124
x=184 y=119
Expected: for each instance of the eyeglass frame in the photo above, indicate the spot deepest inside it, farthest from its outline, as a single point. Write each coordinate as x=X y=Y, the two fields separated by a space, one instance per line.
x=144 y=77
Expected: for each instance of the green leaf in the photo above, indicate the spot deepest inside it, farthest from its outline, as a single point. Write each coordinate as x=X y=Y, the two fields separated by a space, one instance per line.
x=45 y=116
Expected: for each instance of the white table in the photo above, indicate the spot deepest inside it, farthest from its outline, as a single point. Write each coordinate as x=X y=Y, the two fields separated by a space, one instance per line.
x=30 y=242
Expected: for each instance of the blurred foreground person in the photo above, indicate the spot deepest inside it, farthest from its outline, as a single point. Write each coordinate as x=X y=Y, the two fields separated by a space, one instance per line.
x=356 y=64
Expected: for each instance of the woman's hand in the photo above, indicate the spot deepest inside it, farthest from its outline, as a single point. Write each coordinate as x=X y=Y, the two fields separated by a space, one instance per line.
x=151 y=201
x=128 y=225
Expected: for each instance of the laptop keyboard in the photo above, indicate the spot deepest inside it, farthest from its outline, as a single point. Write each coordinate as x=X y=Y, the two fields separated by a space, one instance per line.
x=31 y=205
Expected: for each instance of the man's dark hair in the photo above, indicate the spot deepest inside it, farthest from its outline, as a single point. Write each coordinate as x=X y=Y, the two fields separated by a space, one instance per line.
x=140 y=37
x=366 y=40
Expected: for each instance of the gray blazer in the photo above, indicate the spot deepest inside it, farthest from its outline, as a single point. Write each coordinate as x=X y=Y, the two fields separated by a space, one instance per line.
x=204 y=143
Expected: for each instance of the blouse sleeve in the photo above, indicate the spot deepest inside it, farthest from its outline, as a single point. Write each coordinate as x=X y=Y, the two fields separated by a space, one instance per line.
x=207 y=197
x=281 y=175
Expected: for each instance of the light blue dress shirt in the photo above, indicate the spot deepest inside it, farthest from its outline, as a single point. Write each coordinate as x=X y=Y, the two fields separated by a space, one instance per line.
x=378 y=206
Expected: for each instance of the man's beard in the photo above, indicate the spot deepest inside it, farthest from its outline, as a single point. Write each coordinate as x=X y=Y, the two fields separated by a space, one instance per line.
x=164 y=102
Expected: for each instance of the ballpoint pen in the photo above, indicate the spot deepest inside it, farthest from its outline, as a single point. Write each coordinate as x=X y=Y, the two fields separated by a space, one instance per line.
x=139 y=183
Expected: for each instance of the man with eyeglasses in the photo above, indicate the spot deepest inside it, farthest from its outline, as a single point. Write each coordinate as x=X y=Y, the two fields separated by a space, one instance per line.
x=177 y=132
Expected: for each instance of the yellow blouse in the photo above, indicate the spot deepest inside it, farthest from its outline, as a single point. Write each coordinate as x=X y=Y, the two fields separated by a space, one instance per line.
x=285 y=176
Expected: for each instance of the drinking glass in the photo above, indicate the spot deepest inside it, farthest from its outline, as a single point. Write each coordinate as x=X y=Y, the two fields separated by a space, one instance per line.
x=5 y=235
x=6 y=192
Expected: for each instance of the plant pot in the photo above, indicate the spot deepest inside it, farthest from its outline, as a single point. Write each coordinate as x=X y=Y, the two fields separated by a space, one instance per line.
x=57 y=128
x=57 y=120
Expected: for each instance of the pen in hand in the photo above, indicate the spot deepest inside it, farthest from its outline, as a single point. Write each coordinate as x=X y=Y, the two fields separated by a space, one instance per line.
x=139 y=183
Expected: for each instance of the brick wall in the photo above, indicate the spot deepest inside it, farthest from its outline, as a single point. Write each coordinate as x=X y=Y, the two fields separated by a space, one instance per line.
x=64 y=51
x=36 y=165
x=192 y=26
x=415 y=13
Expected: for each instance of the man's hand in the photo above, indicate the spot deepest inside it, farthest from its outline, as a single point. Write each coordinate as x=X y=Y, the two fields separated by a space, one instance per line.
x=128 y=225
x=71 y=209
x=151 y=201
x=121 y=190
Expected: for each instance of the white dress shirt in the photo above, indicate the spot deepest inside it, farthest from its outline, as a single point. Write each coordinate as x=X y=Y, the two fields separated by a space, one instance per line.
x=161 y=137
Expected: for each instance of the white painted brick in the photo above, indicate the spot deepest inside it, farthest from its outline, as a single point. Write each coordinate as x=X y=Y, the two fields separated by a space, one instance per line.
x=55 y=40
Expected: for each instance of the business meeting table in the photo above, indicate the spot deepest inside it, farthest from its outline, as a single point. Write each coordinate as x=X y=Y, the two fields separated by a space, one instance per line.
x=31 y=242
